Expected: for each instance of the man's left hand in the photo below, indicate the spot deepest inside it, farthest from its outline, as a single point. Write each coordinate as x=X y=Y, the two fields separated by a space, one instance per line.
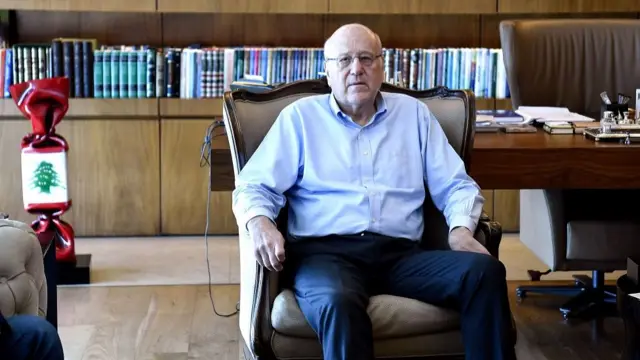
x=461 y=239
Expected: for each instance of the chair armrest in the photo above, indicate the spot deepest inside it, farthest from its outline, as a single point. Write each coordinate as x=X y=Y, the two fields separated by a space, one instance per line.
x=489 y=234
x=258 y=289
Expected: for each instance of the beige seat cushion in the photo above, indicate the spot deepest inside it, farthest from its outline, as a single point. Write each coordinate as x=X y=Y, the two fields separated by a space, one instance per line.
x=391 y=316
x=22 y=282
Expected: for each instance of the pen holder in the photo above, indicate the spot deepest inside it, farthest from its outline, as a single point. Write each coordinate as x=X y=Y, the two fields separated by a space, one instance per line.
x=615 y=108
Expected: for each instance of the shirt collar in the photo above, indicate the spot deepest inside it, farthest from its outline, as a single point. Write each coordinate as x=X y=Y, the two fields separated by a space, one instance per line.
x=381 y=106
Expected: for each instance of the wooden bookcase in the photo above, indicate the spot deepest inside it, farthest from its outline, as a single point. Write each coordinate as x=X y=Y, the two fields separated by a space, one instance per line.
x=135 y=164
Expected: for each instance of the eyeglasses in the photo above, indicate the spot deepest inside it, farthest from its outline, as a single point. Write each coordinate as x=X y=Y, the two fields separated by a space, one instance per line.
x=346 y=60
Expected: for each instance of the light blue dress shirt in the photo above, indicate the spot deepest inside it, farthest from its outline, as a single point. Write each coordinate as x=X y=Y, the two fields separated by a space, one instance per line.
x=343 y=178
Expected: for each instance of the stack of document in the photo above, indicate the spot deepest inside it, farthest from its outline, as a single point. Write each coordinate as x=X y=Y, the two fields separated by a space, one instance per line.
x=545 y=114
x=492 y=117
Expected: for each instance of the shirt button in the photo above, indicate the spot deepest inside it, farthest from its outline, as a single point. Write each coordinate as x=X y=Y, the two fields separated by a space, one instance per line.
x=365 y=153
x=373 y=220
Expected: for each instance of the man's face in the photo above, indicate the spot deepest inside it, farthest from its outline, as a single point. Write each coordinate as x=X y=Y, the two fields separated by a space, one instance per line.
x=354 y=68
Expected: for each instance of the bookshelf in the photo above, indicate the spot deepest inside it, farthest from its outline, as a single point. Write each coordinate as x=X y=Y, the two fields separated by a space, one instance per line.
x=134 y=163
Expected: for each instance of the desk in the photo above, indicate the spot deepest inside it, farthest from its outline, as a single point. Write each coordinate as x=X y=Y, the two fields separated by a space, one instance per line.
x=543 y=161
x=522 y=161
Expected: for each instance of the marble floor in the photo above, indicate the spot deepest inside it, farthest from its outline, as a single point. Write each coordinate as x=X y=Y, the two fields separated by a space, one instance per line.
x=182 y=261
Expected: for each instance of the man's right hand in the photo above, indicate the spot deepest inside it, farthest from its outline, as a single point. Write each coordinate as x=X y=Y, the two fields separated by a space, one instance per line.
x=268 y=243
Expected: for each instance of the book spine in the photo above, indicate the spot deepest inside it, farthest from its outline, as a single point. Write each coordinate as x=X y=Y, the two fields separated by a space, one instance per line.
x=35 y=63
x=132 y=80
x=87 y=69
x=151 y=73
x=26 y=55
x=3 y=61
x=98 y=75
x=141 y=73
x=170 y=68
x=123 y=74
x=77 y=69
x=43 y=72
x=204 y=74
x=9 y=72
x=160 y=74
x=177 y=64
x=107 y=58
x=17 y=68
x=116 y=56
x=67 y=59
x=57 y=59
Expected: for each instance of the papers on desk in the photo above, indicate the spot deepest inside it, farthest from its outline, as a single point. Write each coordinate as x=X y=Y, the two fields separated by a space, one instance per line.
x=490 y=117
x=544 y=114
x=495 y=120
x=556 y=120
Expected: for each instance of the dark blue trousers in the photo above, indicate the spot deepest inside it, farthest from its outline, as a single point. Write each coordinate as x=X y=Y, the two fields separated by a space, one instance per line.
x=30 y=338
x=333 y=278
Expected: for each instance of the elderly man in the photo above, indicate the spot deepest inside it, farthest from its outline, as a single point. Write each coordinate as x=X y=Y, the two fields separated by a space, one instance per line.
x=353 y=166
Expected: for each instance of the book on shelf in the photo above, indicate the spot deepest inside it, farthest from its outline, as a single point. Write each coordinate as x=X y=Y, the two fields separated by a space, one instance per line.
x=119 y=72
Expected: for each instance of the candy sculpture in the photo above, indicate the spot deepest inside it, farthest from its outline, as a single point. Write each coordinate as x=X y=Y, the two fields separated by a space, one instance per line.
x=44 y=161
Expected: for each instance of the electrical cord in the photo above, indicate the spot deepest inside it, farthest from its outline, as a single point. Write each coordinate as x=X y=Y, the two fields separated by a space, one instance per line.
x=205 y=153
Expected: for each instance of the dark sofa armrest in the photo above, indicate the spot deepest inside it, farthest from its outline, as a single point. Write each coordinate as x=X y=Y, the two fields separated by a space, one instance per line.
x=489 y=234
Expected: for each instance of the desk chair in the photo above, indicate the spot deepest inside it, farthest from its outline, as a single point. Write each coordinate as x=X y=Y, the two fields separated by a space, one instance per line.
x=271 y=323
x=569 y=63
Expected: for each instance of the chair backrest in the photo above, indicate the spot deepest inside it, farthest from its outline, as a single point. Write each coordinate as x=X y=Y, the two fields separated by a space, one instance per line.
x=249 y=116
x=569 y=62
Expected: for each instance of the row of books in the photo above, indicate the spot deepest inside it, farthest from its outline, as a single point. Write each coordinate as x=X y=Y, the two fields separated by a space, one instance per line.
x=207 y=72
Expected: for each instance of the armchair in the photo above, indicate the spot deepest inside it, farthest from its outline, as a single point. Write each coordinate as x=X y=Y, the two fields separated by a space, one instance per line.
x=23 y=286
x=569 y=63
x=272 y=325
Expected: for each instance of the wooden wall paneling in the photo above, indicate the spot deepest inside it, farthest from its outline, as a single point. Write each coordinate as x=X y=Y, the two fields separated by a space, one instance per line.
x=81 y=5
x=114 y=176
x=412 y=6
x=11 y=133
x=245 y=6
x=506 y=209
x=243 y=30
x=567 y=6
x=94 y=108
x=503 y=104
x=312 y=30
x=8 y=109
x=491 y=23
x=184 y=183
x=485 y=104
x=415 y=31
x=488 y=207
x=191 y=108
x=107 y=27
